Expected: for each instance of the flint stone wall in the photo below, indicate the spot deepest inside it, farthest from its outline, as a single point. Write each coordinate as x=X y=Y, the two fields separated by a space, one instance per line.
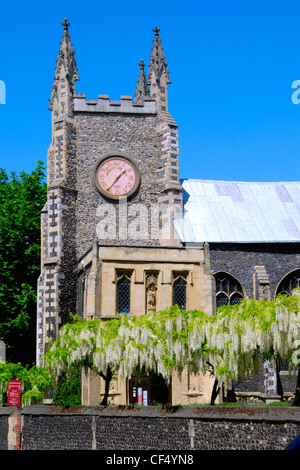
x=156 y=428
x=240 y=260
x=98 y=135
x=4 y=426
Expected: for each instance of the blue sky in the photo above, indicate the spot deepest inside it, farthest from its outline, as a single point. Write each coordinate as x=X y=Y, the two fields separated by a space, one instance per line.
x=232 y=65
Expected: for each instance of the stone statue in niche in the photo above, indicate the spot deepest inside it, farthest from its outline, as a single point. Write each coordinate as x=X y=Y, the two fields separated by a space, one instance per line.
x=151 y=291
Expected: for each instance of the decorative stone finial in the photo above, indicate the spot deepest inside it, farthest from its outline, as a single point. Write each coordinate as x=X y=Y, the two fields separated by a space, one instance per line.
x=65 y=24
x=158 y=74
x=158 y=64
x=142 y=64
x=66 y=71
x=142 y=89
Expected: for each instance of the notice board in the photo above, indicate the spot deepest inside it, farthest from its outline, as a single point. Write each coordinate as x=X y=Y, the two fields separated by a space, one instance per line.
x=14 y=393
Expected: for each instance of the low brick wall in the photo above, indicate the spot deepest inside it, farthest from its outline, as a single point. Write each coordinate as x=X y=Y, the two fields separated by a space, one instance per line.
x=154 y=428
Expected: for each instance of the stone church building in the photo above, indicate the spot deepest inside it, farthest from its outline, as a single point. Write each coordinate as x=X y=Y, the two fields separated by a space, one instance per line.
x=121 y=232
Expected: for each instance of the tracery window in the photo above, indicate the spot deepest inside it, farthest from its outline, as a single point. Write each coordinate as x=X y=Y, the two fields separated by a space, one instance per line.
x=285 y=287
x=289 y=282
x=179 y=291
x=228 y=290
x=123 y=292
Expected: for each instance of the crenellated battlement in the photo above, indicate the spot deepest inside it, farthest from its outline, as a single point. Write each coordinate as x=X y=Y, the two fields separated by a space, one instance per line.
x=104 y=105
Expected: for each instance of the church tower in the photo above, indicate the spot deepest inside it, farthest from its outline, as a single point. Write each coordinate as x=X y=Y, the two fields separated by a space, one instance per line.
x=108 y=240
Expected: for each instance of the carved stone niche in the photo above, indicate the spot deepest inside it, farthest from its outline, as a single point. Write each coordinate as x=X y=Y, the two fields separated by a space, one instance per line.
x=262 y=279
x=151 y=292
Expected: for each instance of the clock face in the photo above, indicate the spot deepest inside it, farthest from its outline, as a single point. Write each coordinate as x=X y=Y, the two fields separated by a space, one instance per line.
x=117 y=176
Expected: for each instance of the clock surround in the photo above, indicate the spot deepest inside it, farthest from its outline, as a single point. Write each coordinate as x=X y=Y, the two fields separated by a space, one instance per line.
x=116 y=175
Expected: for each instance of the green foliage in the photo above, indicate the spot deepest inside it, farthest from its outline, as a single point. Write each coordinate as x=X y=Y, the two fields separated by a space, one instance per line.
x=21 y=200
x=67 y=390
x=35 y=382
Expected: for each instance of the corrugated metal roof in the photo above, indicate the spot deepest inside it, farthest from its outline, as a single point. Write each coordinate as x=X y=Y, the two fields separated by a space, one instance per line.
x=239 y=212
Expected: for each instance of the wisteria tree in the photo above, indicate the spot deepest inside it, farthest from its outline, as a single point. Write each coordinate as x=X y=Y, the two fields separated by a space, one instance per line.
x=157 y=342
x=228 y=343
x=252 y=330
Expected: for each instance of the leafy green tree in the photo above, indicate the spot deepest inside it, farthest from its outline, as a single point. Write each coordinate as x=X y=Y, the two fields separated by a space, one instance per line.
x=67 y=390
x=21 y=200
x=35 y=382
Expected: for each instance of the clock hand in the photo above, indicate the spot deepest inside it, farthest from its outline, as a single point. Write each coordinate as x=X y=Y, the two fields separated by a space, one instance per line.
x=115 y=179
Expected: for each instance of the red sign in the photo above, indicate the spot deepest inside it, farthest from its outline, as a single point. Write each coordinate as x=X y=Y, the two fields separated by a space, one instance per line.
x=140 y=395
x=14 y=393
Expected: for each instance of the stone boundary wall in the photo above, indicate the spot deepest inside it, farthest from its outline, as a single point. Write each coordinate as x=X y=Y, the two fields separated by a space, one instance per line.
x=4 y=417
x=10 y=428
x=116 y=428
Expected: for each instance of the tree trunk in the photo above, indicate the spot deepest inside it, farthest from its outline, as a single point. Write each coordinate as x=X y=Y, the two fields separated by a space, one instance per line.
x=296 y=401
x=278 y=379
x=215 y=392
x=107 y=378
x=216 y=389
x=231 y=396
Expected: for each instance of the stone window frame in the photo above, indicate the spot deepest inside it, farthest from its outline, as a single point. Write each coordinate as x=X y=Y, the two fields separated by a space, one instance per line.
x=285 y=280
x=239 y=289
x=82 y=283
x=176 y=277
x=121 y=274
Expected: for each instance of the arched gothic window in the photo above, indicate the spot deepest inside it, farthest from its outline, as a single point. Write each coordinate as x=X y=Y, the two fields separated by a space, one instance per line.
x=289 y=282
x=228 y=290
x=123 y=293
x=285 y=287
x=179 y=291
